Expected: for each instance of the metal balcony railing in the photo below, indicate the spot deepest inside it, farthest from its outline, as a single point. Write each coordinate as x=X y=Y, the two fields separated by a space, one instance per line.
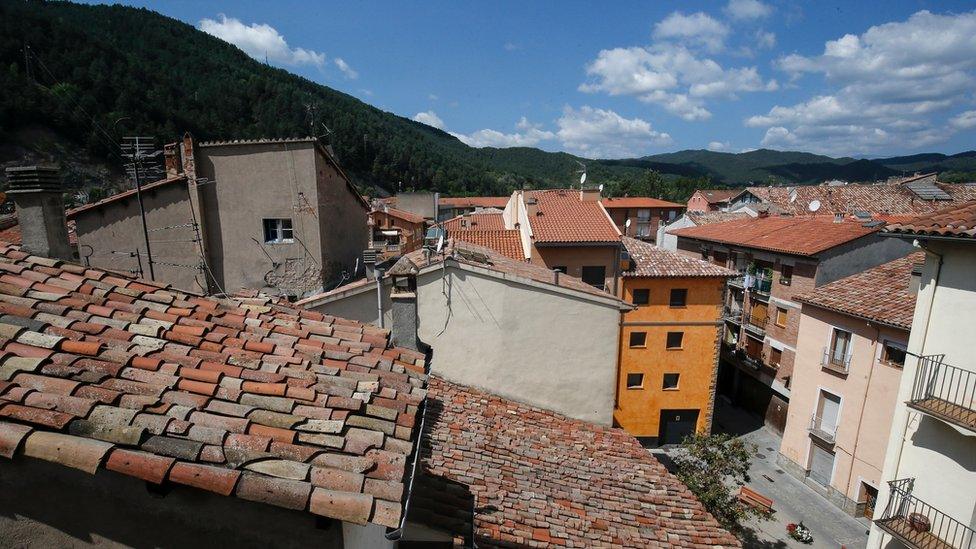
x=756 y=322
x=920 y=525
x=823 y=430
x=737 y=282
x=830 y=362
x=945 y=391
x=733 y=313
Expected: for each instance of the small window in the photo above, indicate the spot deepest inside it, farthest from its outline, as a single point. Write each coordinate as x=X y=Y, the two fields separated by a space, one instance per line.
x=679 y=297
x=781 y=317
x=595 y=275
x=670 y=382
x=643 y=214
x=894 y=353
x=638 y=339
x=635 y=381
x=641 y=296
x=775 y=356
x=278 y=231
x=840 y=344
x=785 y=274
x=675 y=339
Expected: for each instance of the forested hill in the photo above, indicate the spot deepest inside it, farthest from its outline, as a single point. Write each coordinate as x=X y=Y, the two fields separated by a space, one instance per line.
x=93 y=66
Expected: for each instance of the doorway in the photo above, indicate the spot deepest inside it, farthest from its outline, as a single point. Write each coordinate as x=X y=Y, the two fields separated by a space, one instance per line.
x=676 y=425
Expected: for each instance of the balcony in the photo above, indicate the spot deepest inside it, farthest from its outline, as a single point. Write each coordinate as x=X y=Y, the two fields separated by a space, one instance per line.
x=737 y=282
x=756 y=323
x=919 y=525
x=732 y=313
x=835 y=365
x=823 y=430
x=945 y=392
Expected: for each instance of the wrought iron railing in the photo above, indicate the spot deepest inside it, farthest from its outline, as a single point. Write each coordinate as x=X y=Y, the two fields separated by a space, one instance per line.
x=920 y=525
x=945 y=391
x=839 y=365
x=823 y=430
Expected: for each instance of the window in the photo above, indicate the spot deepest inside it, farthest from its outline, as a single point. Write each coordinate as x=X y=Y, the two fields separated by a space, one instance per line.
x=840 y=345
x=893 y=353
x=635 y=381
x=785 y=274
x=278 y=231
x=679 y=297
x=775 y=356
x=672 y=215
x=643 y=222
x=674 y=339
x=670 y=382
x=641 y=296
x=595 y=276
x=561 y=268
x=638 y=339
x=781 y=317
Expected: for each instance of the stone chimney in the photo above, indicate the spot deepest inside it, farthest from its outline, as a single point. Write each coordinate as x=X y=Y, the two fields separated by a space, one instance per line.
x=189 y=161
x=36 y=191
x=403 y=296
x=171 y=159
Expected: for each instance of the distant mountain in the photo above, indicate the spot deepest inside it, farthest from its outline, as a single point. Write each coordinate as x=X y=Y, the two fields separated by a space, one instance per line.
x=99 y=72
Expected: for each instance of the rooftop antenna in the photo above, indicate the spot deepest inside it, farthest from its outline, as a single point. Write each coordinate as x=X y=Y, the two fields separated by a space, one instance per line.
x=310 y=109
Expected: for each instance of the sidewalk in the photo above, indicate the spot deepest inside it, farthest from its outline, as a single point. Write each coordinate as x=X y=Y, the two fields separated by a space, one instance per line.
x=793 y=501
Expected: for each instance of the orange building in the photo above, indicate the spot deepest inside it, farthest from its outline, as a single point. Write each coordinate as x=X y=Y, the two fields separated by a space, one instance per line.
x=669 y=343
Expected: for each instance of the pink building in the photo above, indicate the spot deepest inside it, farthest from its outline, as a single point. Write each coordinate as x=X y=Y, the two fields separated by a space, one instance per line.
x=850 y=352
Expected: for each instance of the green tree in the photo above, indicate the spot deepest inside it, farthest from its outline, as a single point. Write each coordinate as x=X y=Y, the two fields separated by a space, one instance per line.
x=713 y=467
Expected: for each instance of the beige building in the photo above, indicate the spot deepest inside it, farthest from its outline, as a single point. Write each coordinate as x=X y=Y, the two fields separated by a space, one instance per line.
x=850 y=352
x=540 y=338
x=277 y=215
x=928 y=495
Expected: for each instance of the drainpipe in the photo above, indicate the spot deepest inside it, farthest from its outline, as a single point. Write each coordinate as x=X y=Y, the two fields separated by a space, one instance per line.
x=379 y=297
x=860 y=419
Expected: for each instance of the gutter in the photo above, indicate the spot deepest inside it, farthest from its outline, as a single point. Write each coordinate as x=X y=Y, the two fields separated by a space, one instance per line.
x=397 y=533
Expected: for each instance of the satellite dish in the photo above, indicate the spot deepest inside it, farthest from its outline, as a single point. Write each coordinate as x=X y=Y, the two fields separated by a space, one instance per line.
x=583 y=178
x=440 y=243
x=627 y=223
x=814 y=206
x=601 y=187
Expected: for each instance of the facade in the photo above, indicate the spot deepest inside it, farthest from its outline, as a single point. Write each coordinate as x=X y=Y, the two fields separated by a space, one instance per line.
x=394 y=232
x=779 y=258
x=474 y=302
x=306 y=223
x=927 y=497
x=850 y=353
x=711 y=200
x=645 y=215
x=669 y=344
x=669 y=241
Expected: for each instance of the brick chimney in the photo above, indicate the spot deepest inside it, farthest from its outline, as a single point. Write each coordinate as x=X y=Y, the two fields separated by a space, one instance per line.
x=171 y=159
x=37 y=191
x=189 y=160
x=590 y=195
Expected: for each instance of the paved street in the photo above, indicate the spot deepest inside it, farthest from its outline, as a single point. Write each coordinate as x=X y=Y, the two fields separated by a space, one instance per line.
x=793 y=500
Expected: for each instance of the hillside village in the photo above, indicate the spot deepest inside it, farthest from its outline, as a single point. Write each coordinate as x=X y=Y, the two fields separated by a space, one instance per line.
x=248 y=346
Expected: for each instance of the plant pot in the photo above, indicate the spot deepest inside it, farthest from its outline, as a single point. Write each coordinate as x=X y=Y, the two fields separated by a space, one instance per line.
x=919 y=522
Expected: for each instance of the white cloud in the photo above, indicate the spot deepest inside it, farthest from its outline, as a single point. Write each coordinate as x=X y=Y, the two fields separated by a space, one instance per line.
x=765 y=39
x=598 y=133
x=345 y=68
x=698 y=29
x=432 y=97
x=511 y=46
x=671 y=76
x=718 y=146
x=891 y=87
x=430 y=118
x=747 y=9
x=529 y=135
x=965 y=120
x=260 y=41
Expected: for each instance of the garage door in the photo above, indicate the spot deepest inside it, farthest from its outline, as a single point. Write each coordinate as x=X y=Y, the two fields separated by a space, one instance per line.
x=821 y=464
x=676 y=425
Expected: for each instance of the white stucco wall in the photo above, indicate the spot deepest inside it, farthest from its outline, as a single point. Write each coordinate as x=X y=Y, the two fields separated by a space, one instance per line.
x=669 y=241
x=941 y=458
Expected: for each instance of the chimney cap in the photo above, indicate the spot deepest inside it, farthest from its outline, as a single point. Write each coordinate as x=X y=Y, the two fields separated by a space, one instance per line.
x=32 y=179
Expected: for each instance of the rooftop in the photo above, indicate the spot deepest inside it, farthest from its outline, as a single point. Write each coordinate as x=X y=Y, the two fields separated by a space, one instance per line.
x=506 y=242
x=473 y=201
x=804 y=235
x=475 y=221
x=717 y=196
x=10 y=230
x=652 y=261
x=123 y=195
x=957 y=221
x=562 y=218
x=244 y=397
x=409 y=217
x=638 y=202
x=879 y=294
x=706 y=218
x=537 y=477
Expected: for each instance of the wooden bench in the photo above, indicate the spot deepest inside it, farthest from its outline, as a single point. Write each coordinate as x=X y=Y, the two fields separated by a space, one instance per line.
x=754 y=499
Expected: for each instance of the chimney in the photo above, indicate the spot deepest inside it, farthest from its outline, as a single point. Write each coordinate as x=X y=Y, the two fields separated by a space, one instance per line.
x=590 y=195
x=838 y=217
x=189 y=160
x=171 y=160
x=915 y=279
x=403 y=296
x=531 y=206
x=40 y=210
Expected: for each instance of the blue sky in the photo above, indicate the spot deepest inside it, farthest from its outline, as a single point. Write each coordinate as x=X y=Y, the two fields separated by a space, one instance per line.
x=634 y=78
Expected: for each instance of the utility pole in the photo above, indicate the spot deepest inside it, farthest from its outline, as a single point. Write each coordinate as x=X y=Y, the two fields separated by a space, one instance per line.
x=140 y=148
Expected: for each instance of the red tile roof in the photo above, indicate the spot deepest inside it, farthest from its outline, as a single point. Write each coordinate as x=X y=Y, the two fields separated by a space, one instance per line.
x=562 y=218
x=638 y=202
x=807 y=235
x=507 y=243
x=542 y=479
x=409 y=217
x=879 y=294
x=473 y=201
x=955 y=221
x=882 y=198
x=11 y=231
x=651 y=261
x=707 y=218
x=717 y=196
x=246 y=397
x=124 y=194
x=475 y=221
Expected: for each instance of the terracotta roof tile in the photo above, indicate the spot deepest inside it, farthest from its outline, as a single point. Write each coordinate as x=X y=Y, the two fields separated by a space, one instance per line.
x=638 y=202
x=473 y=201
x=536 y=476
x=707 y=218
x=883 y=198
x=474 y=222
x=955 y=221
x=507 y=243
x=109 y=371
x=807 y=235
x=401 y=214
x=879 y=294
x=718 y=196
x=652 y=261
x=561 y=217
